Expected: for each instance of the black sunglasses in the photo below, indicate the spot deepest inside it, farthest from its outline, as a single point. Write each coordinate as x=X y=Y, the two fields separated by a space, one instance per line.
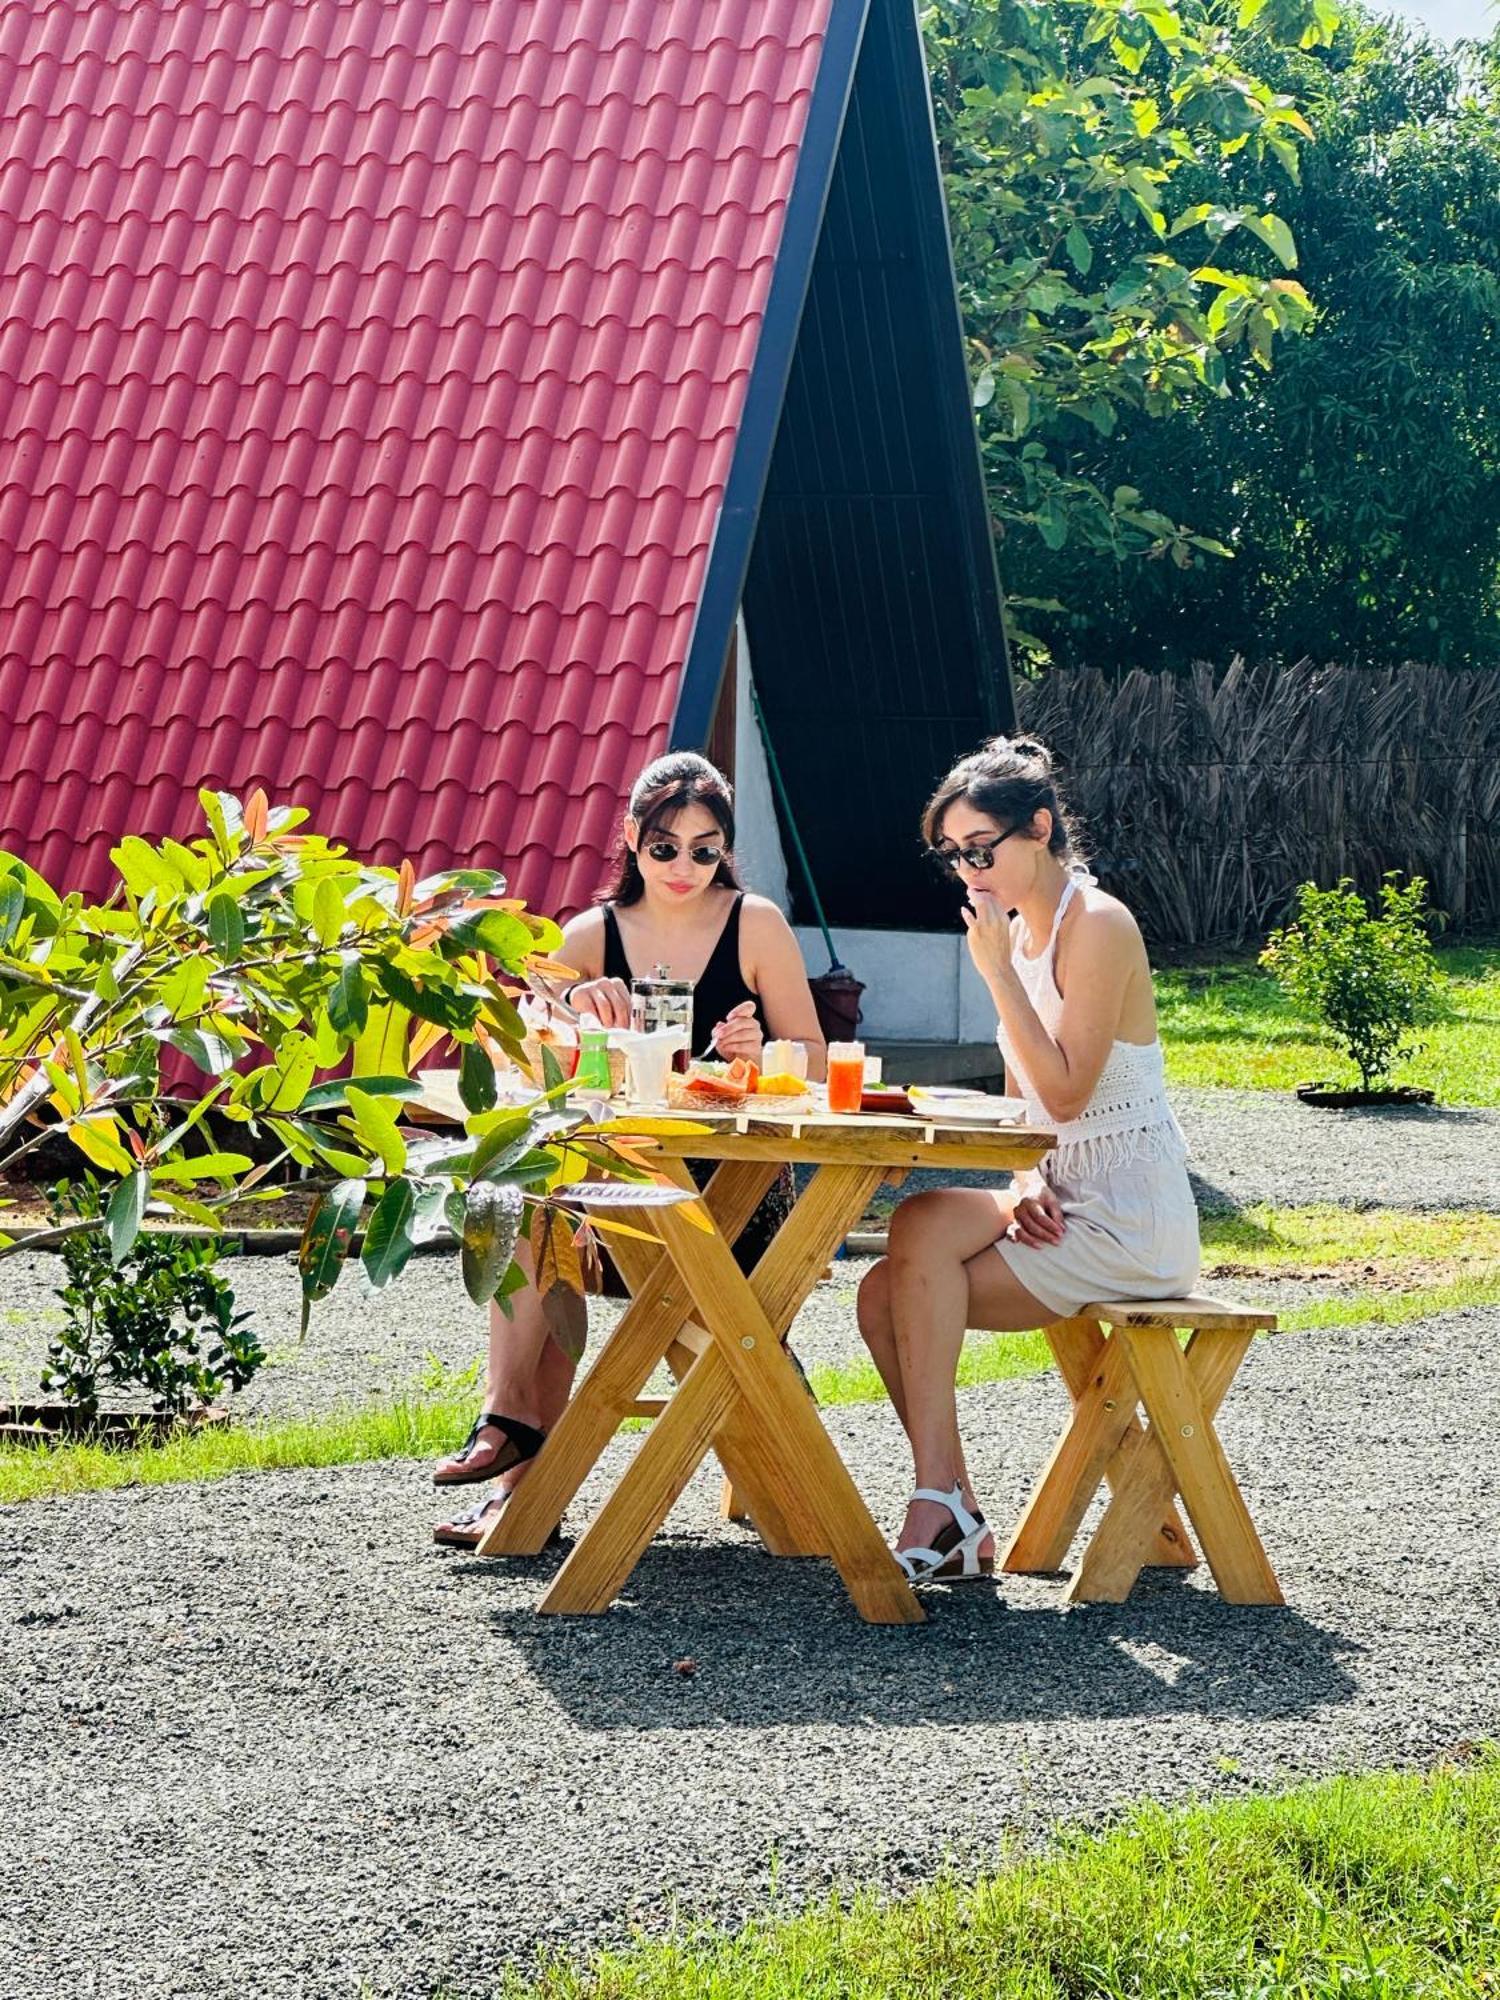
x=978 y=857
x=668 y=850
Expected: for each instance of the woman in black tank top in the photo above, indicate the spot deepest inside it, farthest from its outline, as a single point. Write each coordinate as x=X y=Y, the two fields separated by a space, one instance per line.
x=677 y=903
x=719 y=989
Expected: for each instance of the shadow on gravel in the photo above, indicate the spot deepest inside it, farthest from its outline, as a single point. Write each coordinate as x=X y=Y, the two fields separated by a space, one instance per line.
x=711 y=1638
x=1412 y=1114
x=1212 y=1199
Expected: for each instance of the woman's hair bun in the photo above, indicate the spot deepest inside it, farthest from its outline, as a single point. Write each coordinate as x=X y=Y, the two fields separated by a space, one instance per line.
x=1019 y=749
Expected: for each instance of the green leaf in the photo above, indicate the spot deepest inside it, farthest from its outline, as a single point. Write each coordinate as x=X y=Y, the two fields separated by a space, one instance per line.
x=329 y=913
x=330 y=1148
x=205 y=1167
x=328 y=1238
x=185 y=988
x=226 y=820
x=332 y=1095
x=553 y=1077
x=226 y=927
x=211 y=1053
x=1080 y=250
x=143 y=869
x=126 y=1212
x=189 y=1209
x=497 y=932
x=381 y=1048
x=491 y=1226
x=296 y=1066
x=476 y=1078
x=513 y=1138
x=503 y=1136
x=443 y=1006
x=1276 y=236
x=349 y=998
x=12 y=907
x=427 y=1215
x=388 y=1236
x=375 y=1123
x=43 y=905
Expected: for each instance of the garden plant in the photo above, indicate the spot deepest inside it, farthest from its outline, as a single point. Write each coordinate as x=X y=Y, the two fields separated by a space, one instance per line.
x=161 y=1318
x=262 y=973
x=1370 y=978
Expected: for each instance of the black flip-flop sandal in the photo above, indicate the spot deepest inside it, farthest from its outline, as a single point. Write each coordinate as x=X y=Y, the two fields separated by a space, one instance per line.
x=522 y=1442
x=468 y=1530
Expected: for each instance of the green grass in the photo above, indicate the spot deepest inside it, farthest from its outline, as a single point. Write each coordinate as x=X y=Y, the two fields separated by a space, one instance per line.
x=410 y=1427
x=1383 y=1887
x=1323 y=1237
x=1231 y=1024
x=1001 y=1357
x=1401 y=1266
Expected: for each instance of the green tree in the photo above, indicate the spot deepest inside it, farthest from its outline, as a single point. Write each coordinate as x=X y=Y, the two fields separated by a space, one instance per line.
x=1097 y=278
x=1358 y=484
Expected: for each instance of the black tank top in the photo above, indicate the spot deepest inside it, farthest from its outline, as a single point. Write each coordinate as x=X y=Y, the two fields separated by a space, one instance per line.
x=720 y=986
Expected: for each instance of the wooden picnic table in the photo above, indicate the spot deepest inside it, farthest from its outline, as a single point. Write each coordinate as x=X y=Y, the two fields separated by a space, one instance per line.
x=721 y=1335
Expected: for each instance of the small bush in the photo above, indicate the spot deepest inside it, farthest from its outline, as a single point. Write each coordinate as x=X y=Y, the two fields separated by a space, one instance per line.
x=162 y=1320
x=1370 y=979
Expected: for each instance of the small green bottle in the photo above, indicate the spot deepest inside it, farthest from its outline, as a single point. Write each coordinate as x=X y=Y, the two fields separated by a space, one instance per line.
x=593 y=1061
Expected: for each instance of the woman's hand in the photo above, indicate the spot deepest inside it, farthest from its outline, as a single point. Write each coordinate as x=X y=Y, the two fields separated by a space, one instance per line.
x=1038 y=1221
x=988 y=924
x=738 y=1035
x=608 y=1000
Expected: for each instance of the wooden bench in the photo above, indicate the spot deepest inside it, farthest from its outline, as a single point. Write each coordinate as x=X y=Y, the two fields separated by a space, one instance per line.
x=1143 y=1421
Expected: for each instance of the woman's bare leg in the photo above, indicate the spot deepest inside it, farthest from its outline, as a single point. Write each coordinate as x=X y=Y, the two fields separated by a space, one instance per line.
x=527 y=1376
x=943 y=1277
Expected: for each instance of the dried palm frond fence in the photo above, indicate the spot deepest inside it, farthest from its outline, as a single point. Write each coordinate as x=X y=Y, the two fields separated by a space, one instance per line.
x=1207 y=797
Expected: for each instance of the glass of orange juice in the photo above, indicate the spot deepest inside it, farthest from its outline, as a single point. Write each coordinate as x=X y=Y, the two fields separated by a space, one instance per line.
x=846 y=1075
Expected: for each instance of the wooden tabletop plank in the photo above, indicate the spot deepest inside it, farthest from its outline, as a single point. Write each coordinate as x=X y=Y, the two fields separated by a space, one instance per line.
x=831 y=1140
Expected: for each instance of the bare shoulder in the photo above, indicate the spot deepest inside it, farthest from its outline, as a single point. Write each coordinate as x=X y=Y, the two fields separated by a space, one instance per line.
x=762 y=922
x=583 y=942
x=1104 y=927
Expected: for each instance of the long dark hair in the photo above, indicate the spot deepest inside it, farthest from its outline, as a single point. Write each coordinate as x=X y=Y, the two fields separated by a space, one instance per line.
x=1011 y=779
x=681 y=778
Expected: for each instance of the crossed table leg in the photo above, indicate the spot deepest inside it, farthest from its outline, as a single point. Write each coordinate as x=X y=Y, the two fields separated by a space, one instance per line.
x=737 y=1394
x=1177 y=1454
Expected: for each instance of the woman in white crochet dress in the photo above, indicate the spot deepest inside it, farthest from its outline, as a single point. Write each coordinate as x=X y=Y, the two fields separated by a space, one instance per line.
x=1109 y=1215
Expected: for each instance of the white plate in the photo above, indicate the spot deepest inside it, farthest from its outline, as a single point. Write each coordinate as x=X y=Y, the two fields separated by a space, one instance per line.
x=967 y=1107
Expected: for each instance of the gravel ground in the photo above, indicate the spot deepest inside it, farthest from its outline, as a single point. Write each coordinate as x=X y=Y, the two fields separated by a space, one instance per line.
x=1251 y=1146
x=262 y=1738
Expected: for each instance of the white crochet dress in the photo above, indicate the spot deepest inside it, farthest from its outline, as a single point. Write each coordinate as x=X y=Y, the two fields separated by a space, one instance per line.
x=1119 y=1168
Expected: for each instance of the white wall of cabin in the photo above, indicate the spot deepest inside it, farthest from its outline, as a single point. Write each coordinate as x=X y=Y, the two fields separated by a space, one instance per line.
x=920 y=986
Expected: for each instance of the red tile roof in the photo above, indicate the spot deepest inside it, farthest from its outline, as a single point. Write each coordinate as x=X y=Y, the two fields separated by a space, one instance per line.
x=369 y=376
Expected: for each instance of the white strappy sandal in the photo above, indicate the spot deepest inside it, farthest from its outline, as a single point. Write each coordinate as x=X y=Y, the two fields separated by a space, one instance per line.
x=959 y=1556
